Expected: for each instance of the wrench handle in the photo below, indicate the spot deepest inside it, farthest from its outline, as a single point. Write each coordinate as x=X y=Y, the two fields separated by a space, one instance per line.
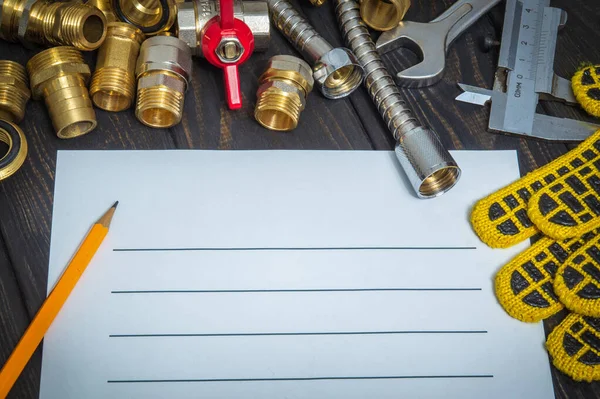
x=465 y=13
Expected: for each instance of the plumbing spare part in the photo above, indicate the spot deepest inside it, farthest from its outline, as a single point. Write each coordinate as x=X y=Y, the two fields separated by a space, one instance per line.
x=60 y=76
x=150 y=16
x=113 y=82
x=383 y=14
x=14 y=91
x=336 y=71
x=12 y=135
x=106 y=7
x=227 y=43
x=525 y=75
x=430 y=168
x=193 y=18
x=282 y=92
x=164 y=70
x=50 y=23
x=430 y=41
x=317 y=3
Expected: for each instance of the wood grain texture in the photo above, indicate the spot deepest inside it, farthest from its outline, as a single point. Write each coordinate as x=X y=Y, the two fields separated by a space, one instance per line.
x=353 y=123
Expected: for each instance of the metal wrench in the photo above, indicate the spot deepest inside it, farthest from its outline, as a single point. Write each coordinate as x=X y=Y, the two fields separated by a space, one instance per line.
x=430 y=41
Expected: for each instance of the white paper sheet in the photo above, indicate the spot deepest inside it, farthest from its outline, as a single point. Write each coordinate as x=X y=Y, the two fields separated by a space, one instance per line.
x=282 y=274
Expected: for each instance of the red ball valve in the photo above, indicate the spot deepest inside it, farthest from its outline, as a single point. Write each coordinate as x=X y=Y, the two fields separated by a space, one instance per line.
x=227 y=43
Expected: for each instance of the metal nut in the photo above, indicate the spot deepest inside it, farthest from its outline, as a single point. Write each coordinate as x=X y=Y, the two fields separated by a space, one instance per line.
x=52 y=72
x=337 y=67
x=186 y=27
x=165 y=53
x=24 y=22
x=16 y=83
x=229 y=50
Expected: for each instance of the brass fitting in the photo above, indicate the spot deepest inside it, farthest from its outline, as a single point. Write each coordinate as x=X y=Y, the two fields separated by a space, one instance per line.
x=150 y=16
x=317 y=3
x=282 y=93
x=106 y=7
x=193 y=16
x=164 y=70
x=14 y=91
x=383 y=15
x=60 y=76
x=113 y=82
x=13 y=136
x=52 y=24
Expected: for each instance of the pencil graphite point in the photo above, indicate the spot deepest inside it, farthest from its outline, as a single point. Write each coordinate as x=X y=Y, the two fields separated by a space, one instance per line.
x=107 y=217
x=115 y=204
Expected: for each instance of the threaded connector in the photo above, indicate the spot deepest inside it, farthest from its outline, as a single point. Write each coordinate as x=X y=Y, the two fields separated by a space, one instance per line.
x=113 y=82
x=282 y=92
x=150 y=16
x=383 y=15
x=60 y=76
x=336 y=71
x=106 y=7
x=164 y=69
x=317 y=3
x=14 y=91
x=12 y=135
x=53 y=23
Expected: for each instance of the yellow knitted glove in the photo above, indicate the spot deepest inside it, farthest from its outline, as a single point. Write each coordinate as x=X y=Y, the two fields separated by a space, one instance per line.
x=586 y=86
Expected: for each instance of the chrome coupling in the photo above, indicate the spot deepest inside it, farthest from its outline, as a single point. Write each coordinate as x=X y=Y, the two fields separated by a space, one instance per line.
x=192 y=19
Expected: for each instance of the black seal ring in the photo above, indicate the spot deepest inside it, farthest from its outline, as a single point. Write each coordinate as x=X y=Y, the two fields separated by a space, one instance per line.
x=15 y=146
x=157 y=27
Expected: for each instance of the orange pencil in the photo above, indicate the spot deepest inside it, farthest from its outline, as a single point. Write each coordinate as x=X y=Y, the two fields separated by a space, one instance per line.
x=52 y=305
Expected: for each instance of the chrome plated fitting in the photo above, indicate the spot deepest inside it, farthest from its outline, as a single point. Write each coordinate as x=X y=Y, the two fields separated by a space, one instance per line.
x=14 y=91
x=113 y=83
x=164 y=70
x=281 y=96
x=429 y=167
x=60 y=76
x=52 y=23
x=193 y=16
x=336 y=71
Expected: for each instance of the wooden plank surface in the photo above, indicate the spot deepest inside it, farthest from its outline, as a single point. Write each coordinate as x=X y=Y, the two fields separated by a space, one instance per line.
x=353 y=123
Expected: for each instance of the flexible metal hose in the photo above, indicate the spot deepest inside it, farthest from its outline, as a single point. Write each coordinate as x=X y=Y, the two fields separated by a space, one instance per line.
x=429 y=166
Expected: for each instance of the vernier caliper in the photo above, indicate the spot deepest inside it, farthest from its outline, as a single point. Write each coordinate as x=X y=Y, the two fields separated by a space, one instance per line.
x=526 y=74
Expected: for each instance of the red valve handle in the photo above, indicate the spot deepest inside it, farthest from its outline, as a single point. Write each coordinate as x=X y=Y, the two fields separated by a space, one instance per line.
x=226 y=26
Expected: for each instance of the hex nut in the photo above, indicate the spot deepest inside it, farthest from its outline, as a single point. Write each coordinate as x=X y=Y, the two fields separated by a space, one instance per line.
x=288 y=63
x=221 y=50
x=165 y=53
x=186 y=26
x=39 y=77
x=161 y=79
x=16 y=83
x=332 y=61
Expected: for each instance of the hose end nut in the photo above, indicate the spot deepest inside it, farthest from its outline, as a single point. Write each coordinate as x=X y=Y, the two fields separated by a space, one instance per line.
x=60 y=76
x=163 y=71
x=281 y=96
x=338 y=73
x=431 y=169
x=14 y=91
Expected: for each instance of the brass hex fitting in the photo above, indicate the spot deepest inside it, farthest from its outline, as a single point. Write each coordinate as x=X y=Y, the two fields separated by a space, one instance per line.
x=13 y=136
x=60 y=76
x=106 y=7
x=383 y=15
x=14 y=91
x=164 y=70
x=113 y=82
x=281 y=96
x=192 y=18
x=150 y=16
x=52 y=23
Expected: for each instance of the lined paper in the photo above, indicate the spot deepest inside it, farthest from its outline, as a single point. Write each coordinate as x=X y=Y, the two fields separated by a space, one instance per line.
x=282 y=274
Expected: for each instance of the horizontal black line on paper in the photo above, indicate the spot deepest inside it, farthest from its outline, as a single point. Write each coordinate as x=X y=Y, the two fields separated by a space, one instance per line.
x=385 y=377
x=292 y=290
x=448 y=248
x=265 y=334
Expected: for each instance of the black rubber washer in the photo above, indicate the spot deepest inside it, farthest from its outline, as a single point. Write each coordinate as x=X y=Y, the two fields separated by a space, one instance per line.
x=165 y=15
x=15 y=147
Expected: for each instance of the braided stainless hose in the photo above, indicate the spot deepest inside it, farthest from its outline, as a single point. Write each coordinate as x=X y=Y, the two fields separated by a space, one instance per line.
x=429 y=166
x=336 y=71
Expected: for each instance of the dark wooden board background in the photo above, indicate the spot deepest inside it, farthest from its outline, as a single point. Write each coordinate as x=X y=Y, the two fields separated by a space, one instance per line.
x=26 y=198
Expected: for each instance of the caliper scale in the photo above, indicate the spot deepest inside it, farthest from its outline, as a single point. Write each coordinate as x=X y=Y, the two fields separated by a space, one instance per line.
x=526 y=74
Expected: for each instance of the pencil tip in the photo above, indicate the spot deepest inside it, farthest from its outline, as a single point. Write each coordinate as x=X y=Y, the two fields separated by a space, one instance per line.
x=115 y=204
x=107 y=217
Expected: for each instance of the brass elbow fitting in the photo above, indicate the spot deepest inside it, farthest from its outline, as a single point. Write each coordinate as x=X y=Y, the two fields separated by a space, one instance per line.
x=383 y=15
x=13 y=136
x=113 y=82
x=150 y=16
x=14 y=91
x=60 y=76
x=164 y=70
x=52 y=24
x=193 y=16
x=282 y=93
